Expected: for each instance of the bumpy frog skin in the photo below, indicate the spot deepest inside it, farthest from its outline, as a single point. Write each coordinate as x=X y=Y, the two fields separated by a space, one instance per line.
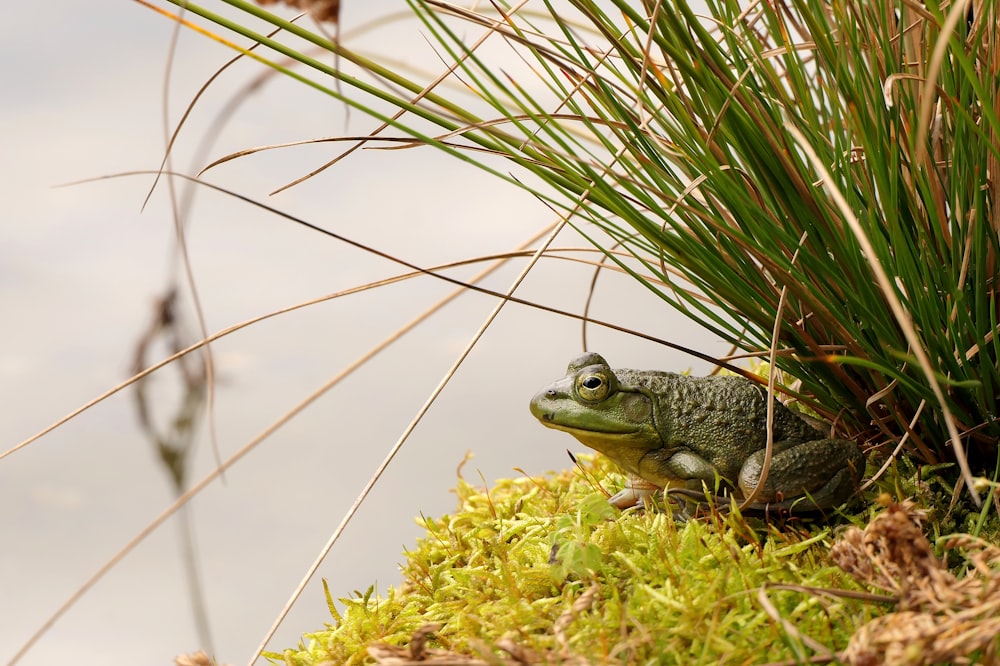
x=667 y=430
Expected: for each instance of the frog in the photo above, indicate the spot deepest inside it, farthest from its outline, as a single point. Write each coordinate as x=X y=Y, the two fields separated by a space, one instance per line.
x=696 y=435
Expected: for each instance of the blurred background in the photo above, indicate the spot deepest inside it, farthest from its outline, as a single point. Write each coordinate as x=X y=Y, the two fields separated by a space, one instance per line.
x=82 y=268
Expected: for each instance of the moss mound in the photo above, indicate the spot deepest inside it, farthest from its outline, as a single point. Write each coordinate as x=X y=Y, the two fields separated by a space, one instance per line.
x=543 y=570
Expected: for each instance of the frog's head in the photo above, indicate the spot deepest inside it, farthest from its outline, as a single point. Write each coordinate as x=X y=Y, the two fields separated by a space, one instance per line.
x=595 y=406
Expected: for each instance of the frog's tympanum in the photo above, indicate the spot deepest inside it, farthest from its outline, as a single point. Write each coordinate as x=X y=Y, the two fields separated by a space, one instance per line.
x=667 y=430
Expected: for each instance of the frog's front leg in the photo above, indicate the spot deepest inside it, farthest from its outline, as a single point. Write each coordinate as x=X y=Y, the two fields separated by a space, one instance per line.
x=661 y=468
x=805 y=476
x=638 y=491
x=635 y=493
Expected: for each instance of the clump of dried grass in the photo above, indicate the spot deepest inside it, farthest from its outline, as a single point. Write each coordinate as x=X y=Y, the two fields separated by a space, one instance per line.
x=940 y=617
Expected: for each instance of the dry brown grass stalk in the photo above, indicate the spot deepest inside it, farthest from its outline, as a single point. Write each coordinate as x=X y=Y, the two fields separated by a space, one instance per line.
x=320 y=10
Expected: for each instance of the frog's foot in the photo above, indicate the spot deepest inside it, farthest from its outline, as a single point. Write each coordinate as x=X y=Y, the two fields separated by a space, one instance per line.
x=690 y=503
x=637 y=492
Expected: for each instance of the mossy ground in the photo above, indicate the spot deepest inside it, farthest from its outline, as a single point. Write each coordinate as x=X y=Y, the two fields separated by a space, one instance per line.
x=507 y=567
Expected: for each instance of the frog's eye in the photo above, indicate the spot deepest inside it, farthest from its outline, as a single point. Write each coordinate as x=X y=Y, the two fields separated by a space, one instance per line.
x=592 y=386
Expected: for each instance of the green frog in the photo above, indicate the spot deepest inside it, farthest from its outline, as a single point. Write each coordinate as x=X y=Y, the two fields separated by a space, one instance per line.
x=699 y=433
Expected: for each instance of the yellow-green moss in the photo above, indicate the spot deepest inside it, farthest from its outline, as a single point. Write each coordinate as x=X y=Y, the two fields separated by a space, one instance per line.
x=509 y=562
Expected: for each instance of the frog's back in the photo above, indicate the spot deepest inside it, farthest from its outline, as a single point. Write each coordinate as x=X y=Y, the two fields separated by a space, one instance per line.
x=722 y=418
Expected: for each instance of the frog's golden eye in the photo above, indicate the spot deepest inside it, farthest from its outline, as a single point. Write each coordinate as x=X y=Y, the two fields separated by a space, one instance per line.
x=592 y=386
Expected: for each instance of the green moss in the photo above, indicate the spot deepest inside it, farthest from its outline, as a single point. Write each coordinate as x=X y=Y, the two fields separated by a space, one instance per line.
x=509 y=562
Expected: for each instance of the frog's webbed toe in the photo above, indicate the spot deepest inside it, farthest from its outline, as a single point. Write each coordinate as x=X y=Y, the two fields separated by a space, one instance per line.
x=637 y=492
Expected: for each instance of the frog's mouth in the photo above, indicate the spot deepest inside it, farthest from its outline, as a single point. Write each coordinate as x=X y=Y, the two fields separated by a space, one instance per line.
x=583 y=433
x=632 y=426
x=549 y=417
